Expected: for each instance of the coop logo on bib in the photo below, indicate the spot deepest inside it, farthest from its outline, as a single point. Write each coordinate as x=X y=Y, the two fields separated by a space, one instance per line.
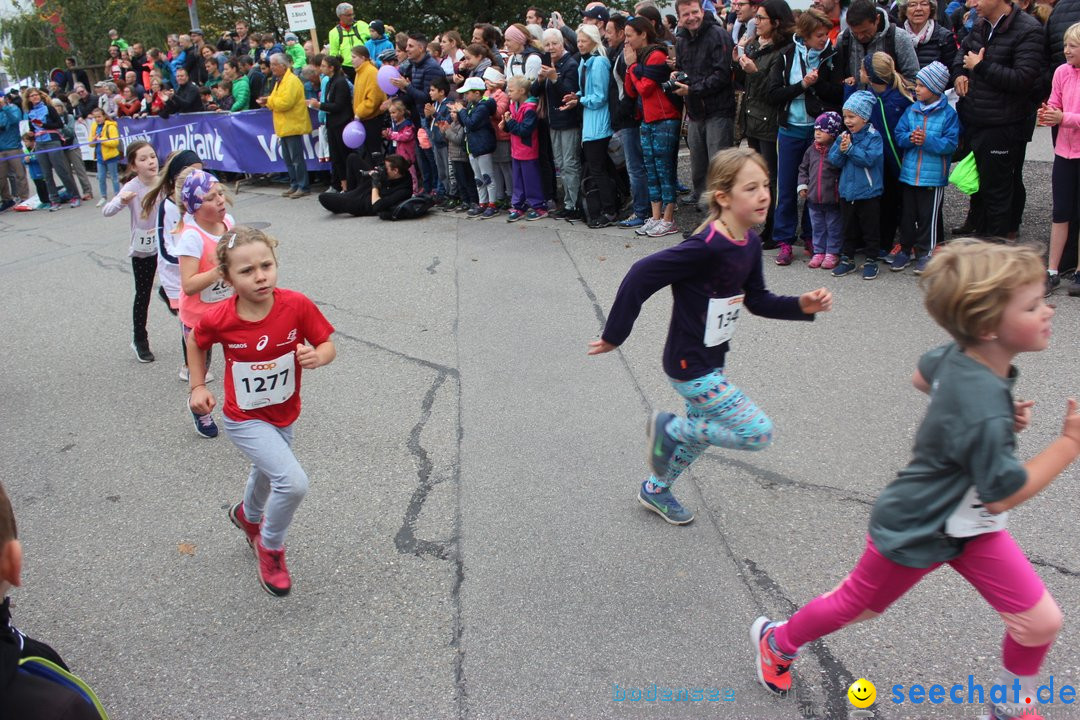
x=262 y=342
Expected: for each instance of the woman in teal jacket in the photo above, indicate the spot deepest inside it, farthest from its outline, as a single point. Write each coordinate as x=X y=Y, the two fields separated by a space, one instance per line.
x=594 y=74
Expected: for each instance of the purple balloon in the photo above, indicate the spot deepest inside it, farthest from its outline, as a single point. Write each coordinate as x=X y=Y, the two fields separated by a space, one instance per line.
x=387 y=74
x=354 y=134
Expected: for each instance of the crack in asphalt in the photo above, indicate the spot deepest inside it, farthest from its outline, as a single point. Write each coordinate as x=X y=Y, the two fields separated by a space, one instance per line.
x=354 y=313
x=1043 y=562
x=108 y=263
x=836 y=677
x=770 y=479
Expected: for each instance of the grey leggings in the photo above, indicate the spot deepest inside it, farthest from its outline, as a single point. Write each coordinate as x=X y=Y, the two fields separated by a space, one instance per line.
x=483 y=168
x=276 y=484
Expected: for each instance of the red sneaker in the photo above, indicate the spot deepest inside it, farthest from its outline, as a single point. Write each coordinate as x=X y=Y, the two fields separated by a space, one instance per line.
x=251 y=530
x=273 y=575
x=772 y=666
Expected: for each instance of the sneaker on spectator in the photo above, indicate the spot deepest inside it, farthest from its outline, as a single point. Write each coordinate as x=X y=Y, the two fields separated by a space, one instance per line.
x=920 y=264
x=53 y=207
x=662 y=228
x=7 y=205
x=1074 y=287
x=536 y=214
x=75 y=202
x=273 y=575
x=632 y=222
x=1053 y=280
x=817 y=260
x=869 y=270
x=829 y=262
x=647 y=227
x=892 y=253
x=900 y=260
x=251 y=530
x=489 y=212
x=846 y=266
x=514 y=215
x=784 y=257
x=475 y=211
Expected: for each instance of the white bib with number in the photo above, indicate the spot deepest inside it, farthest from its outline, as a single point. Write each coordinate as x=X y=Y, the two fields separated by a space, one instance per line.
x=720 y=319
x=264 y=383
x=144 y=242
x=971 y=518
x=217 y=292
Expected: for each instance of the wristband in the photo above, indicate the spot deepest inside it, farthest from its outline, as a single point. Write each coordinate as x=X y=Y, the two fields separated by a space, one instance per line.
x=197 y=386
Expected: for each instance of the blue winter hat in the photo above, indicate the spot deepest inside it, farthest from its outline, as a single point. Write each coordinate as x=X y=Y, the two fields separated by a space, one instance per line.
x=935 y=77
x=861 y=103
x=829 y=122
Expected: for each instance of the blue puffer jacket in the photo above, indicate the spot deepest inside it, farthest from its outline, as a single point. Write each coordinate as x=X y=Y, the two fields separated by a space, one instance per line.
x=593 y=73
x=928 y=165
x=421 y=76
x=10 y=139
x=479 y=133
x=861 y=167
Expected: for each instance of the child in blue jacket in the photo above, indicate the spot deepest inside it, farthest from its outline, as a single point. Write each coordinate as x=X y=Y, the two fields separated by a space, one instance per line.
x=436 y=113
x=475 y=116
x=928 y=133
x=858 y=154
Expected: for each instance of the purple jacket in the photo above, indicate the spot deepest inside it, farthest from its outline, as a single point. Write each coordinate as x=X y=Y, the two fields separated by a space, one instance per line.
x=819 y=177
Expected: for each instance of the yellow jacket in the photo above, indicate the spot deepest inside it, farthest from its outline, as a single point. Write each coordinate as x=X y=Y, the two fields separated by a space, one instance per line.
x=367 y=95
x=109 y=140
x=286 y=100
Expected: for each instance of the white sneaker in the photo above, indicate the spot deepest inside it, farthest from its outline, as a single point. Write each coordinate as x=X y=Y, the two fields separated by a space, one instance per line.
x=663 y=228
x=647 y=227
x=185 y=375
x=100 y=203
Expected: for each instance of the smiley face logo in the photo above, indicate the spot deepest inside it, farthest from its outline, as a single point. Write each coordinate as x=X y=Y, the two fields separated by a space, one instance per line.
x=862 y=693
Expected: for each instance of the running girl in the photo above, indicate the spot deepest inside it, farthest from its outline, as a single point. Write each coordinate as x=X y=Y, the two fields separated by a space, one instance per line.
x=159 y=203
x=949 y=505
x=263 y=330
x=141 y=159
x=203 y=197
x=712 y=275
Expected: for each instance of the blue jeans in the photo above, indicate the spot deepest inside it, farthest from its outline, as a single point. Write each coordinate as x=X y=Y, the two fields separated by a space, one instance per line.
x=110 y=168
x=429 y=170
x=635 y=168
x=292 y=152
x=828 y=225
x=717 y=413
x=789 y=155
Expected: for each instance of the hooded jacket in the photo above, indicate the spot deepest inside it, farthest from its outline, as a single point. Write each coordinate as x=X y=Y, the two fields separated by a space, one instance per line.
x=524 y=139
x=826 y=94
x=928 y=165
x=593 y=73
x=889 y=39
x=861 y=167
x=818 y=176
x=705 y=57
x=1005 y=87
x=476 y=119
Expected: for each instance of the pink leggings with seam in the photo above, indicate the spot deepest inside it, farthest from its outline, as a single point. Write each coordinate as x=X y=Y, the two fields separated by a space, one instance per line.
x=994 y=565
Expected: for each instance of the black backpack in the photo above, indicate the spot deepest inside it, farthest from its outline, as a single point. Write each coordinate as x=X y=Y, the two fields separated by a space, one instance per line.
x=415 y=207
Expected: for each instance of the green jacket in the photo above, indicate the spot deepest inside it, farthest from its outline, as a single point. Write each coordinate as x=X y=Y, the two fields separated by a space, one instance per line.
x=241 y=92
x=342 y=41
x=299 y=57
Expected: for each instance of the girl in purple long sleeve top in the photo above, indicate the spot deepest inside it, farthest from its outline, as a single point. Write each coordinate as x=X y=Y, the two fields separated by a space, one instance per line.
x=712 y=276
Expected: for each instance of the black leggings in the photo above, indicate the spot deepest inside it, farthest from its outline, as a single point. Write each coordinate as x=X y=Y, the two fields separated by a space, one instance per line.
x=339 y=155
x=356 y=201
x=144 y=269
x=466 y=182
x=596 y=158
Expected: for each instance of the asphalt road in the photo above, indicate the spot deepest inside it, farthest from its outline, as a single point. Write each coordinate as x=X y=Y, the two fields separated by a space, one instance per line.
x=471 y=546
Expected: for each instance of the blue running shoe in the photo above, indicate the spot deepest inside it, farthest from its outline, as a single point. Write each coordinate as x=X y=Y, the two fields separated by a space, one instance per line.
x=632 y=222
x=900 y=260
x=665 y=505
x=846 y=266
x=661 y=447
x=869 y=271
x=204 y=424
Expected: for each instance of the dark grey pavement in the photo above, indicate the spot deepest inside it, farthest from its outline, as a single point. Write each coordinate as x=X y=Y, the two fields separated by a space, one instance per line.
x=471 y=546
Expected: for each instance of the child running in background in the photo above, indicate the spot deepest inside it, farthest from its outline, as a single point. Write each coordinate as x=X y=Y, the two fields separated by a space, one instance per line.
x=521 y=122
x=142 y=160
x=159 y=202
x=475 y=116
x=402 y=137
x=201 y=196
x=819 y=184
x=928 y=134
x=1063 y=109
x=858 y=154
x=949 y=505
x=105 y=139
x=265 y=331
x=712 y=274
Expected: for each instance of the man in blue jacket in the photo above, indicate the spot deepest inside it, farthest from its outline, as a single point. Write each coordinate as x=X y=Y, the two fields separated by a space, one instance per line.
x=417 y=86
x=11 y=154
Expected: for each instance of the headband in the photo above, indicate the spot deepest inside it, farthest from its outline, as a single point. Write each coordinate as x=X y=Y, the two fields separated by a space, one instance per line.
x=183 y=159
x=512 y=33
x=196 y=186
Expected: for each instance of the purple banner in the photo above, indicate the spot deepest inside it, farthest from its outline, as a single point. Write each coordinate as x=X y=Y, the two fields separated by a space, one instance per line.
x=241 y=142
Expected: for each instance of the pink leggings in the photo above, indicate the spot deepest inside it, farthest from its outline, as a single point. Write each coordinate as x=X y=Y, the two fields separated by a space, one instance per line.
x=994 y=565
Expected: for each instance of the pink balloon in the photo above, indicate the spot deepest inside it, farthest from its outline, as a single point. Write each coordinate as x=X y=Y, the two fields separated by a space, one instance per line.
x=387 y=74
x=354 y=134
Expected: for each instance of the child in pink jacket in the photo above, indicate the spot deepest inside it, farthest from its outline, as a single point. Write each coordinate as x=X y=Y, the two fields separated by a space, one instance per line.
x=402 y=137
x=520 y=121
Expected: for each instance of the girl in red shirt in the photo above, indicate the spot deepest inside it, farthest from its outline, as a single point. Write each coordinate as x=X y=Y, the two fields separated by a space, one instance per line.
x=269 y=335
x=646 y=70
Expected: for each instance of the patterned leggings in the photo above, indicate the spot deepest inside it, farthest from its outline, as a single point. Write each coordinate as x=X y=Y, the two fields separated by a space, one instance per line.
x=659 y=148
x=717 y=413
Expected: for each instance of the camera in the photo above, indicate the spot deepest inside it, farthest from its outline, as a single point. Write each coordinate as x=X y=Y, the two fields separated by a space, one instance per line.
x=668 y=86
